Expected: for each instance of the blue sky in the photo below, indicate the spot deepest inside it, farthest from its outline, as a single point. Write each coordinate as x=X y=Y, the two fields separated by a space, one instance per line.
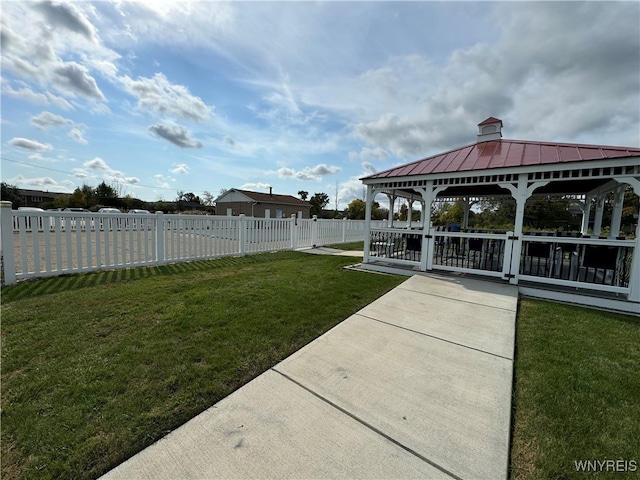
x=156 y=97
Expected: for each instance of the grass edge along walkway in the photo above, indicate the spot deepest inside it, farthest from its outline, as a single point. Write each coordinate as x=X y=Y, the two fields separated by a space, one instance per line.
x=576 y=407
x=96 y=367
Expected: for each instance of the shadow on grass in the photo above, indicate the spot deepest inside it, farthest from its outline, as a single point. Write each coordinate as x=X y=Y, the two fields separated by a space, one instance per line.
x=63 y=283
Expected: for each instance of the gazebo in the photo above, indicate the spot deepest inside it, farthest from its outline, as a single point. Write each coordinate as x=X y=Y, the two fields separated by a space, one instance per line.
x=585 y=266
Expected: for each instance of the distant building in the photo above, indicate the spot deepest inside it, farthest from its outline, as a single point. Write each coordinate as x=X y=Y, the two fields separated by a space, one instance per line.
x=261 y=205
x=38 y=198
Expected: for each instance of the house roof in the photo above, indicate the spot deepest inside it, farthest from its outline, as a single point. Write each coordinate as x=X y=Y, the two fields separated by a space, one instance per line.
x=505 y=154
x=39 y=193
x=261 y=197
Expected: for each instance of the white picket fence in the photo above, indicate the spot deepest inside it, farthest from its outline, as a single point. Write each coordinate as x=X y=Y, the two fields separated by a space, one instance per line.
x=38 y=244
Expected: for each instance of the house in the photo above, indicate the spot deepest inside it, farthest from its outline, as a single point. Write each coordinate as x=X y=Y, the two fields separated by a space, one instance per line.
x=261 y=205
x=595 y=265
x=38 y=198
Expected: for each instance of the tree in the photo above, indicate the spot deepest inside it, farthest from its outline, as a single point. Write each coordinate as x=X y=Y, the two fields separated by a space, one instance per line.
x=208 y=199
x=448 y=213
x=10 y=194
x=318 y=202
x=77 y=199
x=89 y=195
x=105 y=192
x=303 y=195
x=188 y=197
x=356 y=209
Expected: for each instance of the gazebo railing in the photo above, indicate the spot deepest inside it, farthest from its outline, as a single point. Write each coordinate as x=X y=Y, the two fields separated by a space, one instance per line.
x=402 y=246
x=573 y=261
x=601 y=264
x=483 y=253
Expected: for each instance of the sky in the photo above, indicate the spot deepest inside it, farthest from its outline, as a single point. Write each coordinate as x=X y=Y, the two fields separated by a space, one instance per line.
x=161 y=96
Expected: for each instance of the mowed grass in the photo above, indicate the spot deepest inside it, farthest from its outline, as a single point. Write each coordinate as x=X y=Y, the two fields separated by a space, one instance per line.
x=96 y=367
x=576 y=392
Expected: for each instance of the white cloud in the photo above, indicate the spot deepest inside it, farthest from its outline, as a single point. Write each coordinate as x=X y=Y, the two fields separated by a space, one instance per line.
x=67 y=16
x=99 y=169
x=26 y=182
x=30 y=144
x=367 y=153
x=77 y=136
x=181 y=169
x=158 y=95
x=97 y=164
x=255 y=186
x=175 y=134
x=73 y=78
x=46 y=120
x=45 y=98
x=370 y=169
x=308 y=173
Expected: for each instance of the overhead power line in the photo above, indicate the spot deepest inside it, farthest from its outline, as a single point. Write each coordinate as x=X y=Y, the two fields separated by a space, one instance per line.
x=101 y=178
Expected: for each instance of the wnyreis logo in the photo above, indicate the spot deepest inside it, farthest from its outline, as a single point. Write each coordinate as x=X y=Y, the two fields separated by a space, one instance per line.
x=606 y=465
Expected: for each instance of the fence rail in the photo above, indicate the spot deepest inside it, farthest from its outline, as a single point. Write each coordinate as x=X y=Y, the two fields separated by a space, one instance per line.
x=38 y=244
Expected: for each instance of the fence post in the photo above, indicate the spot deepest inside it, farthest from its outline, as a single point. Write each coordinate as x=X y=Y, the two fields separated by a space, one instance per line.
x=161 y=256
x=242 y=235
x=294 y=232
x=314 y=231
x=7 y=250
x=344 y=229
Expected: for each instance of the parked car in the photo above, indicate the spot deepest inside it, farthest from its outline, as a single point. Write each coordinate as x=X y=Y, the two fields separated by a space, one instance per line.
x=139 y=210
x=76 y=209
x=34 y=210
x=110 y=223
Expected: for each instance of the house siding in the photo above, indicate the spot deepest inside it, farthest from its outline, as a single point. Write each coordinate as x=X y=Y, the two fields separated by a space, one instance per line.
x=258 y=210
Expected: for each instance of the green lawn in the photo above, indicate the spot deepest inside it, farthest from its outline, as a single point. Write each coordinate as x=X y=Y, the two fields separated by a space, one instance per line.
x=576 y=392
x=96 y=367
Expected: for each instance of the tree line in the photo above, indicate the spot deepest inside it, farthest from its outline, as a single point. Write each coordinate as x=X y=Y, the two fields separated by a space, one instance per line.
x=104 y=195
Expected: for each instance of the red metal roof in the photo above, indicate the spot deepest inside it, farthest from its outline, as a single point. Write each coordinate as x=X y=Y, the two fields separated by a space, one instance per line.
x=505 y=154
x=490 y=120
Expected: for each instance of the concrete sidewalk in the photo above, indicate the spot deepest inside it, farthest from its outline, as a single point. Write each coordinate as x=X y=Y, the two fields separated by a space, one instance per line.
x=415 y=385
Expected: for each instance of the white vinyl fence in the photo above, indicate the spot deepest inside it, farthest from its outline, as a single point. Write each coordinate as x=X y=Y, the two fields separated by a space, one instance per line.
x=38 y=244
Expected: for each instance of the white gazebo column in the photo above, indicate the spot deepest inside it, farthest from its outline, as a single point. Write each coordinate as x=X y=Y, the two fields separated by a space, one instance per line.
x=616 y=215
x=428 y=195
x=392 y=201
x=597 y=221
x=367 y=223
x=586 y=213
x=520 y=195
x=466 y=207
x=634 y=275
x=520 y=192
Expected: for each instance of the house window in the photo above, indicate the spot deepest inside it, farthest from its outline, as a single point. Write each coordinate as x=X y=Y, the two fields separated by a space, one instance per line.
x=36 y=199
x=229 y=212
x=278 y=213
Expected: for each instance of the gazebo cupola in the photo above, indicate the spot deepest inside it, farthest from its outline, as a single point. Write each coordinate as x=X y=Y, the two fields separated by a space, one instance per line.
x=490 y=129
